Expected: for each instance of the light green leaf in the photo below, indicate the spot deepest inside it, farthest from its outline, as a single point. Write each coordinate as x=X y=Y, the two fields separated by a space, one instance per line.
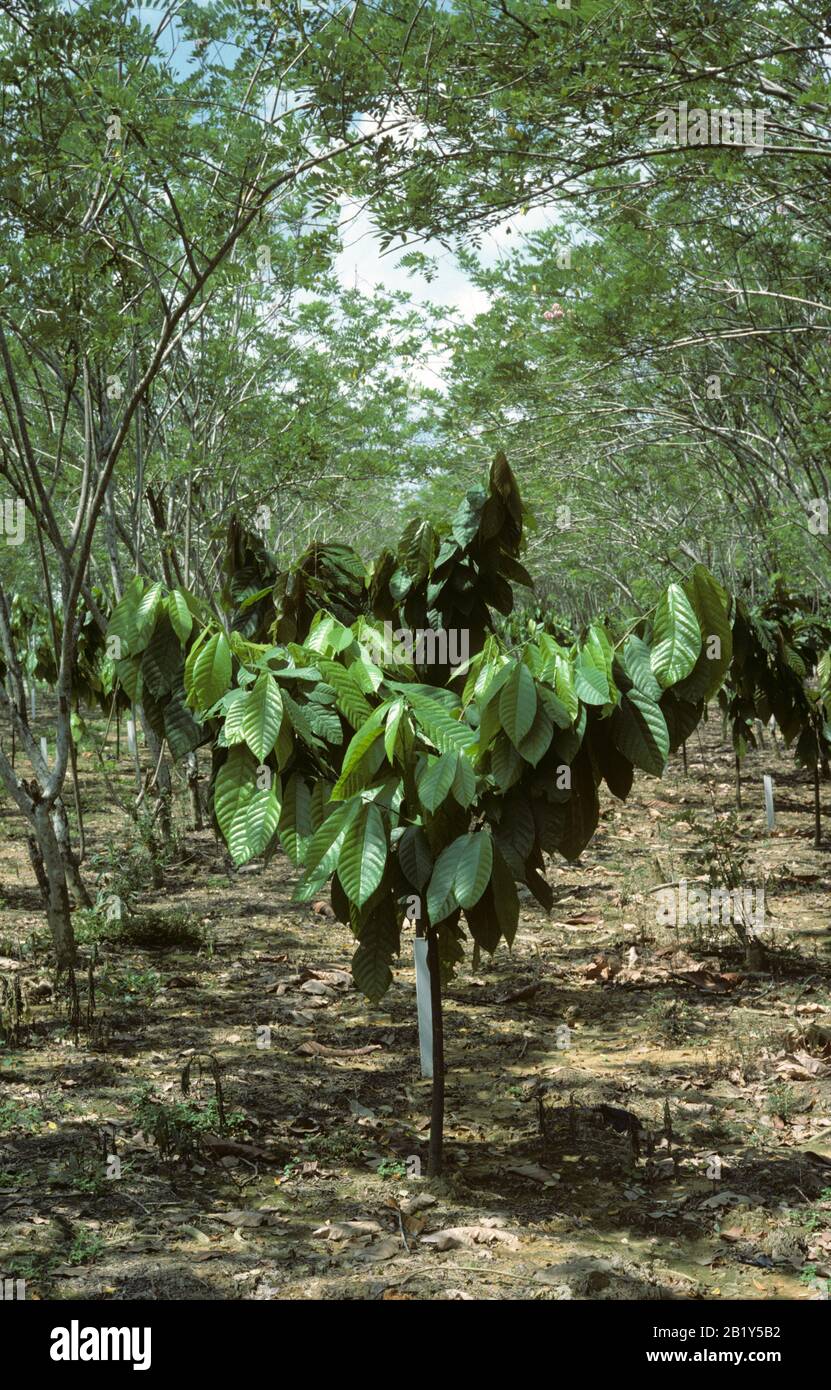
x=212 y=671
x=181 y=618
x=262 y=716
x=363 y=855
x=637 y=659
x=234 y=788
x=518 y=703
x=262 y=817
x=296 y=818
x=676 y=638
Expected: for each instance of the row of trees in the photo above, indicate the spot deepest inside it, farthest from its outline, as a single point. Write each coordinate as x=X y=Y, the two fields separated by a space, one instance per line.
x=175 y=345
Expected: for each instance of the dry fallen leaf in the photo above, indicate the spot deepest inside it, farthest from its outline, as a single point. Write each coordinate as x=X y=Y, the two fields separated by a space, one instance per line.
x=252 y=1217
x=484 y=1234
x=532 y=1171
x=347 y=1230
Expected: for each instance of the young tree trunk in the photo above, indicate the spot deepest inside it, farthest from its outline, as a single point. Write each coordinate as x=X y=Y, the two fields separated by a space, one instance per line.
x=60 y=824
x=162 y=790
x=684 y=755
x=738 y=782
x=817 y=809
x=57 y=904
x=192 y=765
x=36 y=860
x=435 y=1156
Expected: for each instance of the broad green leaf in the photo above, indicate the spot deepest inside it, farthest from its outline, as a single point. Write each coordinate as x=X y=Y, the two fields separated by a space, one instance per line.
x=518 y=704
x=637 y=661
x=414 y=856
x=676 y=637
x=363 y=855
x=395 y=714
x=353 y=761
x=505 y=896
x=464 y=782
x=212 y=671
x=295 y=825
x=559 y=713
x=538 y=739
x=325 y=722
x=582 y=810
x=161 y=664
x=352 y=702
x=473 y=870
x=506 y=763
x=436 y=780
x=324 y=848
x=320 y=807
x=262 y=817
x=378 y=941
x=590 y=680
x=122 y=629
x=326 y=634
x=145 y=616
x=129 y=674
x=182 y=732
x=190 y=662
x=262 y=716
x=640 y=732
x=710 y=602
x=441 y=900
x=564 y=689
x=300 y=721
x=181 y=618
x=235 y=785
x=445 y=732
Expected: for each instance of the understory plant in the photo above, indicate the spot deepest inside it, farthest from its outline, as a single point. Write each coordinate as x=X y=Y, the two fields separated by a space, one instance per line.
x=374 y=724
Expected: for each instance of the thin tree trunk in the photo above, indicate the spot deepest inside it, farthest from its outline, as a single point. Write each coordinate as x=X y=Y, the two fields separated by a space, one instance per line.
x=193 y=787
x=436 y=1152
x=162 y=790
x=134 y=751
x=76 y=791
x=57 y=905
x=738 y=782
x=60 y=823
x=817 y=808
x=36 y=860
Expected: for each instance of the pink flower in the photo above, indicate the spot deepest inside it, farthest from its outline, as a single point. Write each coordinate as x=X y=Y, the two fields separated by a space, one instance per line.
x=555 y=312
x=548 y=315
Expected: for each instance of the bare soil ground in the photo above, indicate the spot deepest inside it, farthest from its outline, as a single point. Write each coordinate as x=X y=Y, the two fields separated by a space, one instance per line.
x=313 y=1190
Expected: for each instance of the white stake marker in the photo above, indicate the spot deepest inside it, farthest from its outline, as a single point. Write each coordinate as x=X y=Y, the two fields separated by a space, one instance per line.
x=769 y=801
x=131 y=737
x=425 y=1012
